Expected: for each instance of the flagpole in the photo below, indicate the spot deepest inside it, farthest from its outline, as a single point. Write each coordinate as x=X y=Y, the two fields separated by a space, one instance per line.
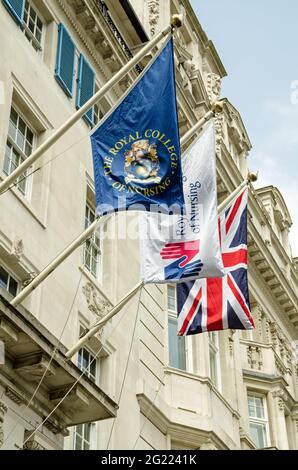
x=55 y=263
x=217 y=107
x=100 y=324
x=251 y=178
x=177 y=21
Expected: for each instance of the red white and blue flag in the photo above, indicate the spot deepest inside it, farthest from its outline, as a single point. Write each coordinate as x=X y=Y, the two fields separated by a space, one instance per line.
x=220 y=304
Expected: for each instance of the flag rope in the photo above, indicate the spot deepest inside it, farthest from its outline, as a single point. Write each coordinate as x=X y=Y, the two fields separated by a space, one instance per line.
x=73 y=385
x=52 y=356
x=57 y=134
x=24 y=177
x=126 y=367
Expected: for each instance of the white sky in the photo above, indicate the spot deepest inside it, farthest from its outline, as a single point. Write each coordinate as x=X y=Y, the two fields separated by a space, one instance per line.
x=257 y=41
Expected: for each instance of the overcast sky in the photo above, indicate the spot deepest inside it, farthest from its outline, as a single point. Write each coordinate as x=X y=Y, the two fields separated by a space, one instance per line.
x=257 y=41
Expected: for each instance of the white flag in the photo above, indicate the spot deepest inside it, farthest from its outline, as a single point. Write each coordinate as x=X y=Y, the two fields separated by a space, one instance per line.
x=180 y=248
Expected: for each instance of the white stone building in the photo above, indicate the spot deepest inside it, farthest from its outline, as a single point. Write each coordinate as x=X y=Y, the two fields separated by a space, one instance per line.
x=146 y=389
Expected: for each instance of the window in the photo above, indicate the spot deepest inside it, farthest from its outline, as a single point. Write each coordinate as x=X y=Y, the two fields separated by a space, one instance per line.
x=64 y=71
x=214 y=358
x=32 y=26
x=83 y=436
x=8 y=282
x=97 y=114
x=92 y=246
x=27 y=17
x=86 y=87
x=87 y=362
x=19 y=146
x=258 y=422
x=177 y=344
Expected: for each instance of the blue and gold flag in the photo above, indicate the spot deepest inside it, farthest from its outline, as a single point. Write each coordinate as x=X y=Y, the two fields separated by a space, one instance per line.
x=136 y=150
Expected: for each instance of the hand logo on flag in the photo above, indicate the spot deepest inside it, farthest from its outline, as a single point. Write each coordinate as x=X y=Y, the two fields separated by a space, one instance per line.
x=182 y=253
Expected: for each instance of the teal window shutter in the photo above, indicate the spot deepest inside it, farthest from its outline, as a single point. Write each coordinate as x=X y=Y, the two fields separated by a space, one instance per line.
x=64 y=71
x=86 y=87
x=16 y=9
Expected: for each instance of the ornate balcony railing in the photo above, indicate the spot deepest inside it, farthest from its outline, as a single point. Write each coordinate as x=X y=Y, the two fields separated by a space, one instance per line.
x=107 y=17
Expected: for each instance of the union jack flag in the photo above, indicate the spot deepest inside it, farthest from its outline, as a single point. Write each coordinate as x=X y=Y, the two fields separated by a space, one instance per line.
x=220 y=304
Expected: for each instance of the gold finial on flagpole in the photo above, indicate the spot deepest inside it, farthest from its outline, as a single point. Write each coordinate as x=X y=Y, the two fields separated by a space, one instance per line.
x=217 y=107
x=252 y=176
x=177 y=21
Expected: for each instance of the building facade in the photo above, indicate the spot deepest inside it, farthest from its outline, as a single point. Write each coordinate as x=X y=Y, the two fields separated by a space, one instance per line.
x=144 y=388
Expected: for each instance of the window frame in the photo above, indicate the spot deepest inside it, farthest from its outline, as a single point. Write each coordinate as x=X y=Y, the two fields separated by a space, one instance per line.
x=33 y=40
x=259 y=421
x=173 y=317
x=92 y=436
x=28 y=181
x=10 y=276
x=213 y=349
x=82 y=328
x=92 y=243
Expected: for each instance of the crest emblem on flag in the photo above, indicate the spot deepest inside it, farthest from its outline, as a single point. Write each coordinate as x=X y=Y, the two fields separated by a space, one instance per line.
x=219 y=304
x=136 y=147
x=142 y=163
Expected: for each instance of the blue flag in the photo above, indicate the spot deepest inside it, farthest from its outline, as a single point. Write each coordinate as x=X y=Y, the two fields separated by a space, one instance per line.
x=136 y=150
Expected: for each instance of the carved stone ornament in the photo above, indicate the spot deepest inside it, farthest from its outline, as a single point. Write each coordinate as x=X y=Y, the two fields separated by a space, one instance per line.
x=281 y=398
x=219 y=120
x=213 y=86
x=154 y=14
x=18 y=248
x=3 y=410
x=96 y=304
x=208 y=445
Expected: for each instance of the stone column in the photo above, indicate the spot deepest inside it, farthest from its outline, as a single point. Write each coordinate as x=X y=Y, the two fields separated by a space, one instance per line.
x=281 y=428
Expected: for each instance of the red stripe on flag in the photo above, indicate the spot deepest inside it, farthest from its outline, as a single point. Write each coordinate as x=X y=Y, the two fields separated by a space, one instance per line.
x=214 y=304
x=234 y=212
x=234 y=258
x=240 y=300
x=191 y=312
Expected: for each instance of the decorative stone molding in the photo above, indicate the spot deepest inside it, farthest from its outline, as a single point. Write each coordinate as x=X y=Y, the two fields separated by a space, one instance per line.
x=31 y=444
x=18 y=248
x=281 y=397
x=81 y=35
x=14 y=396
x=154 y=14
x=259 y=315
x=213 y=86
x=3 y=411
x=267 y=331
x=96 y=304
x=254 y=357
x=31 y=277
x=208 y=445
x=219 y=120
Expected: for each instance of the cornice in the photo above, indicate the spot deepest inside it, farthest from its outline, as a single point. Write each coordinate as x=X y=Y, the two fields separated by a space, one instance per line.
x=82 y=35
x=205 y=381
x=191 y=436
x=207 y=45
x=258 y=240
